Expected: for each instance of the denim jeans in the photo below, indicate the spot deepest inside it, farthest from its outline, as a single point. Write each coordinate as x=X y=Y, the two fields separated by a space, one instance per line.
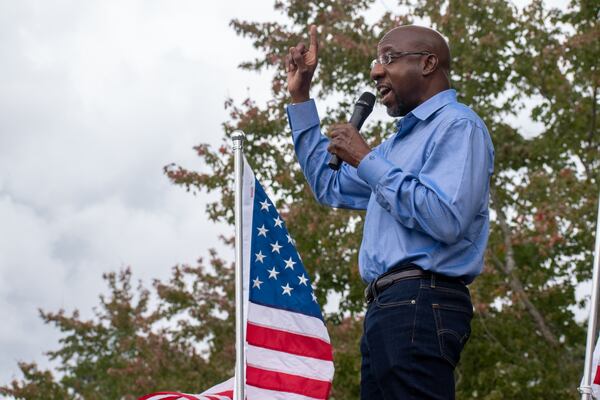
x=414 y=332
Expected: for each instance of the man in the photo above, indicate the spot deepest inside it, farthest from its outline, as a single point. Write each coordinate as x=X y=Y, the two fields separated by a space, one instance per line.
x=425 y=189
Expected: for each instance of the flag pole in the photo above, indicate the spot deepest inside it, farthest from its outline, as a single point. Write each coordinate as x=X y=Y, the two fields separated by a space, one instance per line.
x=586 y=385
x=240 y=377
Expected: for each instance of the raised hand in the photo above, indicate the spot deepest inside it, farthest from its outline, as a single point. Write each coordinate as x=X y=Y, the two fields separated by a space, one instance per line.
x=301 y=65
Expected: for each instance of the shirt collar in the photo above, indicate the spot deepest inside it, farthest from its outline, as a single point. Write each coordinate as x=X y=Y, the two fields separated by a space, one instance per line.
x=434 y=103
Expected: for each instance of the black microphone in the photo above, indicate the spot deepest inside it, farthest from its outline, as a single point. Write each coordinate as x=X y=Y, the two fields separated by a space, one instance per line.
x=362 y=109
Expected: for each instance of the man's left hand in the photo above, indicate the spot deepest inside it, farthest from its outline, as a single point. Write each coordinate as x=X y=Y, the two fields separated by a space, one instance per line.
x=347 y=144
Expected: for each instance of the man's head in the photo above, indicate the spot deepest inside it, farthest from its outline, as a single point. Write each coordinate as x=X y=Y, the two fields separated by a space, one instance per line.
x=418 y=67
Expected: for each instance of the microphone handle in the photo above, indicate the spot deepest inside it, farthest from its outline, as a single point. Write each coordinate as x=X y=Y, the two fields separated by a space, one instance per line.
x=357 y=119
x=334 y=162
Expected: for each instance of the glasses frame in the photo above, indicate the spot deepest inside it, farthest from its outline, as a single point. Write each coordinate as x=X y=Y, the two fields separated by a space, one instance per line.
x=389 y=57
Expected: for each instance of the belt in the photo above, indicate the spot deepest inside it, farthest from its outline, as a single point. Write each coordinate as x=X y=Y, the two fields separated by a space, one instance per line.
x=403 y=272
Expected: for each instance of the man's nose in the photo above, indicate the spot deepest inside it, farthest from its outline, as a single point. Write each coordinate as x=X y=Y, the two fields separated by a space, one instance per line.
x=377 y=71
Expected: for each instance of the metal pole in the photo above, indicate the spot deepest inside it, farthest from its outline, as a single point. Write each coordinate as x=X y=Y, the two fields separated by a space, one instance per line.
x=240 y=370
x=586 y=386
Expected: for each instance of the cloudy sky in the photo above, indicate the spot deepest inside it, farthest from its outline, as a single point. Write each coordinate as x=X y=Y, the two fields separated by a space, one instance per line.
x=96 y=97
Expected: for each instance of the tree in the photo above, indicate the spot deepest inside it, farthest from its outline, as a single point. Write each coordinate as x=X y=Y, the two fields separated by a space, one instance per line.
x=525 y=341
x=130 y=348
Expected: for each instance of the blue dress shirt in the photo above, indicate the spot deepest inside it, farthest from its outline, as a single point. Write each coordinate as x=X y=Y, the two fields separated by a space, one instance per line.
x=425 y=188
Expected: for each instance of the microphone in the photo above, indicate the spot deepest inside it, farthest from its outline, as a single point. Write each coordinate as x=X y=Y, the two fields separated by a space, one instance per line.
x=362 y=109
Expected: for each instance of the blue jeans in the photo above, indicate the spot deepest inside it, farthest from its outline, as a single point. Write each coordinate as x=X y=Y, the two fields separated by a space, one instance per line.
x=414 y=332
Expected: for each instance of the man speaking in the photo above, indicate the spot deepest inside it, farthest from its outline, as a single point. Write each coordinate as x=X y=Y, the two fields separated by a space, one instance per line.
x=425 y=189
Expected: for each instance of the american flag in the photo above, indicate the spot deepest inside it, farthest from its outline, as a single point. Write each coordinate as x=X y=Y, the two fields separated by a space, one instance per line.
x=288 y=351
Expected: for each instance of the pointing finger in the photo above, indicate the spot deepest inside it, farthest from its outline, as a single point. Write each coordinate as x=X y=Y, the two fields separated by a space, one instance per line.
x=314 y=40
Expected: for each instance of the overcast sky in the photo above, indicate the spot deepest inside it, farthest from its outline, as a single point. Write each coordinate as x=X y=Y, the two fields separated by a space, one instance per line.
x=96 y=97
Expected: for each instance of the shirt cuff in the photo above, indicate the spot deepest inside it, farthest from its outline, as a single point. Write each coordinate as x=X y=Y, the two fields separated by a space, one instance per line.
x=302 y=116
x=372 y=168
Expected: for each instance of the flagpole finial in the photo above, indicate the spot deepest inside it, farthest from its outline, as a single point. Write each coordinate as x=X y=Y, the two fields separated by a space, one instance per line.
x=238 y=139
x=238 y=135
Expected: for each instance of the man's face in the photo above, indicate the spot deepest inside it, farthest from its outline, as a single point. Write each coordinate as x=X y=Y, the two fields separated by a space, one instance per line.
x=400 y=82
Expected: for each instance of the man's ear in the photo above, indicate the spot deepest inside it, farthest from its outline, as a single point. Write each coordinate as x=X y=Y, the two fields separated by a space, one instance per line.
x=430 y=64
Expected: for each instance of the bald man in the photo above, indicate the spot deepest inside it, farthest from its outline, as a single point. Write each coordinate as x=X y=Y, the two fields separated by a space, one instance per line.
x=425 y=189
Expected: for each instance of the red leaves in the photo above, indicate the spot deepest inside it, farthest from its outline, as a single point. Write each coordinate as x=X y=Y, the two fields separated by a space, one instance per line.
x=201 y=149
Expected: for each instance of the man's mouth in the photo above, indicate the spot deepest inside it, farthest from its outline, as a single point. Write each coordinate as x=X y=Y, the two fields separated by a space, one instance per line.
x=385 y=93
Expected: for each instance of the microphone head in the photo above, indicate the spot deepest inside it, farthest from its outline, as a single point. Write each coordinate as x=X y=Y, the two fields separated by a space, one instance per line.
x=367 y=99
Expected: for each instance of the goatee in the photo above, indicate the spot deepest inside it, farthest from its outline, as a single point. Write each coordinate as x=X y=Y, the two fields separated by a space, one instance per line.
x=400 y=109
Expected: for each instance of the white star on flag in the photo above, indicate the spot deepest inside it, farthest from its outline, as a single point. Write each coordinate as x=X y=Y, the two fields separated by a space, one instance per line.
x=273 y=273
x=278 y=222
x=303 y=280
x=276 y=247
x=259 y=256
x=262 y=231
x=289 y=263
x=256 y=283
x=287 y=289
x=265 y=205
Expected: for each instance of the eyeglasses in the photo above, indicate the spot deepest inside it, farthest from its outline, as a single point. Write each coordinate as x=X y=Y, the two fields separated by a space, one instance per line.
x=389 y=57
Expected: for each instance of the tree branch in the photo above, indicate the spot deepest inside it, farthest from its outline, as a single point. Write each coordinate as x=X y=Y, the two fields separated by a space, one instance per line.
x=516 y=286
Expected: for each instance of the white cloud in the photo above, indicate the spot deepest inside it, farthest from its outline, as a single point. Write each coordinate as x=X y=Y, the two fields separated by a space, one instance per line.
x=97 y=97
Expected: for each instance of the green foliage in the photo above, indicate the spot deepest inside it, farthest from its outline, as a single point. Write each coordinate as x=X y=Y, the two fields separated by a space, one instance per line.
x=123 y=352
x=506 y=60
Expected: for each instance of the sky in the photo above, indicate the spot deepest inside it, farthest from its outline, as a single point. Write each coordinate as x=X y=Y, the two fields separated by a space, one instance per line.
x=97 y=96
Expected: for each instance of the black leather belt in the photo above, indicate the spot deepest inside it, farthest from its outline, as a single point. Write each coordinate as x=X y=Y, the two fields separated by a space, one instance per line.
x=408 y=271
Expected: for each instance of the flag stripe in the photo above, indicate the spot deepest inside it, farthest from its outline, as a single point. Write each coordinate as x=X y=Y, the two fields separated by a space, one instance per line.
x=287 y=383
x=288 y=342
x=287 y=321
x=254 y=392
x=226 y=393
x=289 y=363
x=224 y=388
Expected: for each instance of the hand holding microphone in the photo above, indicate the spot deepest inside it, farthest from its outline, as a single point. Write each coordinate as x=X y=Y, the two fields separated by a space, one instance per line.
x=346 y=143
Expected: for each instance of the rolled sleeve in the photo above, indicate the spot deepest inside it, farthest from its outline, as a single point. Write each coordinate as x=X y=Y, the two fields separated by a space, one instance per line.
x=373 y=167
